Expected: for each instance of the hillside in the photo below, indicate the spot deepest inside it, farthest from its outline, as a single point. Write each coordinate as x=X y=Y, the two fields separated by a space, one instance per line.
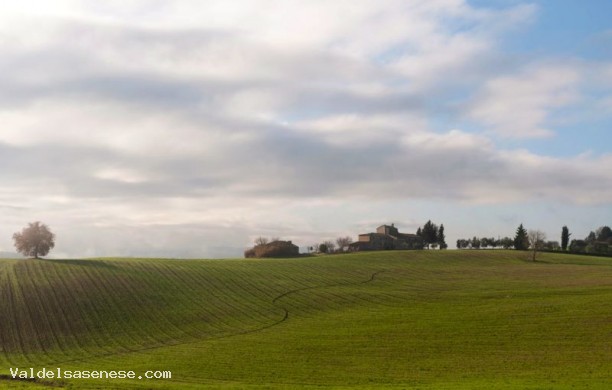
x=472 y=319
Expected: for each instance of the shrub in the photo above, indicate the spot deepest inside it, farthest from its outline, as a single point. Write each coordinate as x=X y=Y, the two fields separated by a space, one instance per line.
x=273 y=249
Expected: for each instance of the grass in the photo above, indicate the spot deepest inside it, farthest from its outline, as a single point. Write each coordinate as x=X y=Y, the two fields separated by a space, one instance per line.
x=423 y=319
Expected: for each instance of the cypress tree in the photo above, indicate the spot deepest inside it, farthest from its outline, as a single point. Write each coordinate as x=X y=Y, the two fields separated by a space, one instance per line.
x=565 y=234
x=442 y=237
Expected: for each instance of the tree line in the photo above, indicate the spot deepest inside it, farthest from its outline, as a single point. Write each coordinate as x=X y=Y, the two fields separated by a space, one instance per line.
x=485 y=242
x=433 y=235
x=523 y=240
x=339 y=245
x=597 y=242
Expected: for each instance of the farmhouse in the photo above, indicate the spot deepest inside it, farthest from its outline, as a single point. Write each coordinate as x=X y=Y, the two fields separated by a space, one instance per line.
x=386 y=238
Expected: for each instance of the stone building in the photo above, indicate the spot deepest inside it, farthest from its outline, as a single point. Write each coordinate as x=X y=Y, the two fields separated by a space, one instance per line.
x=386 y=238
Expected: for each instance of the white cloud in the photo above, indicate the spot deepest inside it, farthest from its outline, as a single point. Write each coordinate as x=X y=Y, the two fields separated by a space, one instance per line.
x=453 y=140
x=447 y=58
x=95 y=123
x=122 y=175
x=351 y=130
x=518 y=106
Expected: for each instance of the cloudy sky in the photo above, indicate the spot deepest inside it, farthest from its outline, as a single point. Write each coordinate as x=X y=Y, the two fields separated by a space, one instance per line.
x=189 y=128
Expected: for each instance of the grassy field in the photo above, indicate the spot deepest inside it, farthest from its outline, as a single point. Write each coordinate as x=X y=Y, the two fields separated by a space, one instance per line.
x=423 y=320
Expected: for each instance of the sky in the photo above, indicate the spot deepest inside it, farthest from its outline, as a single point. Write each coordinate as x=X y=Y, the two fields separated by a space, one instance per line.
x=188 y=129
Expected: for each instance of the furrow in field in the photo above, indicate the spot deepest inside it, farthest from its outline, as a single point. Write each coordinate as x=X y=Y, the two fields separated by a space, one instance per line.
x=290 y=292
x=170 y=329
x=77 y=331
x=43 y=333
x=175 y=300
x=323 y=297
x=76 y=296
x=257 y=281
x=20 y=329
x=103 y=305
x=233 y=304
x=55 y=306
x=240 y=305
x=234 y=298
x=214 y=310
x=44 y=304
x=133 y=310
x=189 y=299
x=251 y=304
x=203 y=293
x=244 y=311
x=8 y=329
x=240 y=332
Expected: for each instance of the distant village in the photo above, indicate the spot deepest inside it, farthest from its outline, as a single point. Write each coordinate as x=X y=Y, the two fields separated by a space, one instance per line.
x=386 y=237
x=432 y=236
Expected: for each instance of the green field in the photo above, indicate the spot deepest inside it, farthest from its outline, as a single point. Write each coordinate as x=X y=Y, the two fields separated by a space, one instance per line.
x=420 y=319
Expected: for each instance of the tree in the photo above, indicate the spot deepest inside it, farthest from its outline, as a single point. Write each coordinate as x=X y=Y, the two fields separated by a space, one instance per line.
x=462 y=243
x=521 y=241
x=442 y=237
x=591 y=238
x=475 y=243
x=578 y=246
x=536 y=241
x=261 y=241
x=343 y=242
x=599 y=247
x=604 y=233
x=484 y=242
x=506 y=243
x=565 y=235
x=552 y=245
x=35 y=240
x=322 y=248
x=329 y=246
x=493 y=242
x=429 y=233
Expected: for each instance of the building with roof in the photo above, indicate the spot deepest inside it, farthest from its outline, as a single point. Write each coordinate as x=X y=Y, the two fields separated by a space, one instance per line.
x=386 y=237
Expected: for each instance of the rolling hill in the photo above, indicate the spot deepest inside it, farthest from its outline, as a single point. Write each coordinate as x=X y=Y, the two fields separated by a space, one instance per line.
x=423 y=319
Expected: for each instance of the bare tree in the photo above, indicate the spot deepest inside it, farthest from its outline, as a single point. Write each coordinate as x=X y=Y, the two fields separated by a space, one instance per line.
x=536 y=241
x=330 y=245
x=261 y=241
x=34 y=240
x=343 y=242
